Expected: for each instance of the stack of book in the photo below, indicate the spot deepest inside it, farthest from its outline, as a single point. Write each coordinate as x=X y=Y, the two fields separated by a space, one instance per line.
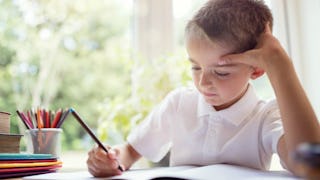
x=17 y=165
x=9 y=143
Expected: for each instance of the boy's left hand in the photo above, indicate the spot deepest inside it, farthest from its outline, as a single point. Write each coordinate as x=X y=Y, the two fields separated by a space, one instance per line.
x=267 y=54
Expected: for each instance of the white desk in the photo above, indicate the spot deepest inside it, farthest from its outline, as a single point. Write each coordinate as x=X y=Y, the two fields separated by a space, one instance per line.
x=220 y=172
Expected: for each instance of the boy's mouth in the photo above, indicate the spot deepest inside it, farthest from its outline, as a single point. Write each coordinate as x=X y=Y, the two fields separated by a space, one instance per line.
x=209 y=94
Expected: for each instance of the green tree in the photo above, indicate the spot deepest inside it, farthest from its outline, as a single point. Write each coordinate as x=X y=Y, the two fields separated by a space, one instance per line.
x=57 y=54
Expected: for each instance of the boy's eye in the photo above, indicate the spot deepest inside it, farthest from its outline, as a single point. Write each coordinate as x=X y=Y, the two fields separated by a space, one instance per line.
x=195 y=68
x=221 y=74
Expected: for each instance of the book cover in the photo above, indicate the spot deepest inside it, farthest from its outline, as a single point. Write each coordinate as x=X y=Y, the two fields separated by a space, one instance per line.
x=32 y=164
x=20 y=174
x=21 y=156
x=29 y=169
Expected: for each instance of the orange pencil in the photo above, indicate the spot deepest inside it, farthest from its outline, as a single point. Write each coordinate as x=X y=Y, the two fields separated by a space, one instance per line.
x=40 y=122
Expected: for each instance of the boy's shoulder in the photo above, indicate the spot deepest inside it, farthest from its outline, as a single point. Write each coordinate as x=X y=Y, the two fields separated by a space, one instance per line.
x=270 y=108
x=270 y=104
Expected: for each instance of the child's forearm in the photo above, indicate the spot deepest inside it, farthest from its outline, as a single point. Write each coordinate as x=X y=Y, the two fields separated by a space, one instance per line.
x=299 y=120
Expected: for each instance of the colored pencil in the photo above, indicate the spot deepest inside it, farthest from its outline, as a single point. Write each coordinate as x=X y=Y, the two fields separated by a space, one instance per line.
x=39 y=119
x=56 y=118
x=62 y=119
x=84 y=125
x=23 y=120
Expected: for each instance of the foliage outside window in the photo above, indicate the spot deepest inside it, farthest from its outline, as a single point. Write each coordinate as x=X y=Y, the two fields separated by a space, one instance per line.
x=58 y=54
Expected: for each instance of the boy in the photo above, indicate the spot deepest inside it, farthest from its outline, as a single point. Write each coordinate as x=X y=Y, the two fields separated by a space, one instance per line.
x=229 y=42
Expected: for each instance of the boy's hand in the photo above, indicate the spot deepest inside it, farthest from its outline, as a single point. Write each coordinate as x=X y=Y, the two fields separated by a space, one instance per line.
x=102 y=164
x=268 y=53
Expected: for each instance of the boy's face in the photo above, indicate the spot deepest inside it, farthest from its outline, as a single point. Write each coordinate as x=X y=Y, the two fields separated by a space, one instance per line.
x=221 y=86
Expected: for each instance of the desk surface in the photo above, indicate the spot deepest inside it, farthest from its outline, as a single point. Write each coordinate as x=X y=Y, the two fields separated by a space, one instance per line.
x=220 y=171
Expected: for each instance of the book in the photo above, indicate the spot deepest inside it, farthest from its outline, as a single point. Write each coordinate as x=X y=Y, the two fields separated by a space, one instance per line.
x=10 y=143
x=4 y=122
x=18 y=172
x=24 y=173
x=19 y=164
x=27 y=164
x=22 y=156
x=218 y=171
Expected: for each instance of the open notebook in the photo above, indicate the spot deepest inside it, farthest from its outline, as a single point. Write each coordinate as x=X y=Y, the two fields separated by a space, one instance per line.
x=220 y=171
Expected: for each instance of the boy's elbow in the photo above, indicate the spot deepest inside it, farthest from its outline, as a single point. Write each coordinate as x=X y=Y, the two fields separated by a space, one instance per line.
x=302 y=170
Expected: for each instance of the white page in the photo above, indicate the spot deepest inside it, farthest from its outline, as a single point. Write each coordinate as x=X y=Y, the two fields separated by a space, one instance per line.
x=230 y=172
x=61 y=175
x=151 y=173
x=135 y=174
x=219 y=171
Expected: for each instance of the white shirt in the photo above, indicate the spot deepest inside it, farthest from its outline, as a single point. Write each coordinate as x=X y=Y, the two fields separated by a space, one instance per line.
x=245 y=134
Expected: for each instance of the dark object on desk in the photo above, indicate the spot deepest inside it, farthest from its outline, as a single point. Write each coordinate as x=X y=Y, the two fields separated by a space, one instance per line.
x=84 y=125
x=307 y=156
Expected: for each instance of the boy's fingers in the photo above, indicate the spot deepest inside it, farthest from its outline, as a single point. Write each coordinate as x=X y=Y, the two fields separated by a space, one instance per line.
x=250 y=58
x=116 y=151
x=112 y=154
x=99 y=152
x=122 y=167
x=241 y=58
x=100 y=164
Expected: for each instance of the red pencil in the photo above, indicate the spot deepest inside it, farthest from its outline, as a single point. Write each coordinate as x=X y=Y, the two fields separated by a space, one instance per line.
x=56 y=118
x=47 y=119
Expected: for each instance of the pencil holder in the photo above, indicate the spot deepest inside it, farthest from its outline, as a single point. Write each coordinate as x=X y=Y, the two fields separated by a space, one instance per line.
x=44 y=141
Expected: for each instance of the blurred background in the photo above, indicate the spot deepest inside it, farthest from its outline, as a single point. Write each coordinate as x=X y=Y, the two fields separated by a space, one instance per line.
x=114 y=60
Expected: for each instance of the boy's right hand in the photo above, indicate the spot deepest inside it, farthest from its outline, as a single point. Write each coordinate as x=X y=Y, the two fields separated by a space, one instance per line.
x=102 y=164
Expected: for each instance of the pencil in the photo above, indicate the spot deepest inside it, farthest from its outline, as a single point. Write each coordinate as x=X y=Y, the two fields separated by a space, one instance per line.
x=30 y=118
x=40 y=122
x=84 y=125
x=56 y=118
x=26 y=119
x=63 y=117
x=23 y=120
x=47 y=125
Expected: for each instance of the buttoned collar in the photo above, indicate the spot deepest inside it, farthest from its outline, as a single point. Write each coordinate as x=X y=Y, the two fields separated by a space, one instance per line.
x=234 y=114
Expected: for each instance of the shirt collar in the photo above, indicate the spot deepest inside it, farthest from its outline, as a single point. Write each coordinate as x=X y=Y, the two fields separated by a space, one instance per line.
x=234 y=114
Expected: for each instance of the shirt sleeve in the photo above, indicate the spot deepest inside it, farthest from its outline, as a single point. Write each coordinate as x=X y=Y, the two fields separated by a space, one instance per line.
x=152 y=137
x=272 y=128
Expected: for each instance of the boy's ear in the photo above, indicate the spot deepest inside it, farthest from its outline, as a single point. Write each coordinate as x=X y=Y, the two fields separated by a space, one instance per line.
x=257 y=72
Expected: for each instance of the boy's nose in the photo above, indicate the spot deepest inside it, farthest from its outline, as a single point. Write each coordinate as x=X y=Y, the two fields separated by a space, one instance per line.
x=205 y=79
